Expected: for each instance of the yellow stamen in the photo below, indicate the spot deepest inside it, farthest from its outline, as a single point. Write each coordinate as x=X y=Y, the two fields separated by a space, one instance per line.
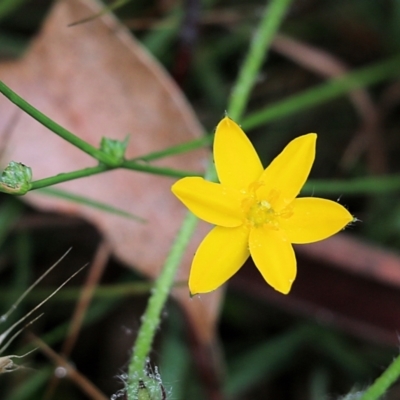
x=260 y=212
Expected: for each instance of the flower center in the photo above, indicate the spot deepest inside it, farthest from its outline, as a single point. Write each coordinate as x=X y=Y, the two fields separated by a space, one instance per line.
x=260 y=212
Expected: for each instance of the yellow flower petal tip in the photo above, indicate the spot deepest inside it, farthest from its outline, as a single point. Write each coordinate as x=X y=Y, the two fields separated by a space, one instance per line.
x=284 y=289
x=228 y=123
x=256 y=211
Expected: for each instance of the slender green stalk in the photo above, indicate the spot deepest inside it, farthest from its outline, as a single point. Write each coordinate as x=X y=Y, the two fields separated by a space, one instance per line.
x=143 y=167
x=85 y=172
x=68 y=176
x=180 y=148
x=383 y=383
x=327 y=91
x=370 y=185
x=317 y=95
x=271 y=20
x=54 y=127
x=85 y=201
x=151 y=318
x=307 y=99
x=137 y=368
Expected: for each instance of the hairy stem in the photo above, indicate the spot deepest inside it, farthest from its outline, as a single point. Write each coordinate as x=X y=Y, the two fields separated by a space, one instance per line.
x=270 y=22
x=383 y=383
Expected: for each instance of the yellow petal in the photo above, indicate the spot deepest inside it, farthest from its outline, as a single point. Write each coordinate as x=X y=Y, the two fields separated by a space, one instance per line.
x=314 y=219
x=211 y=202
x=273 y=255
x=219 y=256
x=236 y=160
x=286 y=175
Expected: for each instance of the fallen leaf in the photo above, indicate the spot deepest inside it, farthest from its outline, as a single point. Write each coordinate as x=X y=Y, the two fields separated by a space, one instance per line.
x=96 y=80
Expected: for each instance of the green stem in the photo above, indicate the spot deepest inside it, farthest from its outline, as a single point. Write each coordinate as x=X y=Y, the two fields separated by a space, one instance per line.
x=271 y=20
x=151 y=319
x=383 y=383
x=317 y=95
x=54 y=127
x=68 y=176
x=371 y=185
x=357 y=186
x=322 y=93
x=180 y=148
x=85 y=172
x=143 y=167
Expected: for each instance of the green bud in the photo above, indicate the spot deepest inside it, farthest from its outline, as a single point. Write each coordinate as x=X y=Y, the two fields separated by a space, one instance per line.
x=114 y=148
x=16 y=179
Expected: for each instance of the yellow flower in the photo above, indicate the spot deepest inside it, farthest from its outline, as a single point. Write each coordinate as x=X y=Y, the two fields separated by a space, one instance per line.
x=256 y=211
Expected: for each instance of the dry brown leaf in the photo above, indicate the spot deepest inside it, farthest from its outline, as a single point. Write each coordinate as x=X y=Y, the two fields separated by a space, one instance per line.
x=96 y=80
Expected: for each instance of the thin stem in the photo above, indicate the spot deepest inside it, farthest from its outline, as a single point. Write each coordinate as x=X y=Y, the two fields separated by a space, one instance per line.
x=85 y=201
x=143 y=167
x=316 y=95
x=370 y=185
x=271 y=20
x=85 y=172
x=383 y=383
x=320 y=94
x=68 y=176
x=178 y=149
x=53 y=126
x=151 y=319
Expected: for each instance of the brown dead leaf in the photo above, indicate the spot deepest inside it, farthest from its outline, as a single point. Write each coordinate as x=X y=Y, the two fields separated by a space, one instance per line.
x=96 y=80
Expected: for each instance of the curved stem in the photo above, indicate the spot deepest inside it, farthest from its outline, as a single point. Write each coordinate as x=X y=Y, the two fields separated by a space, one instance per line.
x=53 y=126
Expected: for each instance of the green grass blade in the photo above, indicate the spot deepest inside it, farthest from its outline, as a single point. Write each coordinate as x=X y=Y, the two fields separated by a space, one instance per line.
x=88 y=202
x=325 y=92
x=368 y=186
